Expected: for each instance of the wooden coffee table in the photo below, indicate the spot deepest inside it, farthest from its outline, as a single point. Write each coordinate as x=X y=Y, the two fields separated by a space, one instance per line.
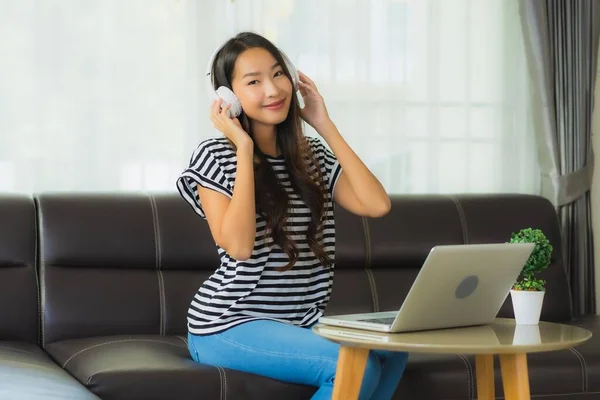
x=510 y=341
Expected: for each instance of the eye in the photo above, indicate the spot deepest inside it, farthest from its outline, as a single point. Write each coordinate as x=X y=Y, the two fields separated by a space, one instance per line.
x=278 y=73
x=254 y=82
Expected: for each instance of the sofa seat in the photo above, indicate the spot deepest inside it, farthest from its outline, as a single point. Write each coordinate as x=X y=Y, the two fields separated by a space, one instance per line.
x=26 y=373
x=159 y=367
x=589 y=354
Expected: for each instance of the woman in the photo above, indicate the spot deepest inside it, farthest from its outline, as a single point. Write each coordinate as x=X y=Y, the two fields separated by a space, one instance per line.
x=267 y=193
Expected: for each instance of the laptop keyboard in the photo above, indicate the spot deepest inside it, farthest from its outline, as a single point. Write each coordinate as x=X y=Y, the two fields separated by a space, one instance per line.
x=384 y=321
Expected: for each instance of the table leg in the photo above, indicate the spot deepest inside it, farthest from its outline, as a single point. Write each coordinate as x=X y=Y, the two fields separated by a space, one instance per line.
x=349 y=373
x=515 y=376
x=484 y=370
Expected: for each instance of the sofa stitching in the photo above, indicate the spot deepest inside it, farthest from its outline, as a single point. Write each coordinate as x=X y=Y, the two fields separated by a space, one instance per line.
x=583 y=368
x=468 y=376
x=156 y=260
x=39 y=304
x=158 y=253
x=183 y=338
x=370 y=276
x=163 y=310
x=470 y=389
x=586 y=387
x=221 y=382
x=473 y=384
x=40 y=262
x=117 y=341
x=37 y=280
x=374 y=295
x=582 y=371
x=14 y=349
x=367 y=233
x=463 y=220
x=224 y=383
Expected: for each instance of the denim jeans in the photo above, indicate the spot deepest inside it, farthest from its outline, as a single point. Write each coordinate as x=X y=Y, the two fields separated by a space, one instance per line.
x=292 y=354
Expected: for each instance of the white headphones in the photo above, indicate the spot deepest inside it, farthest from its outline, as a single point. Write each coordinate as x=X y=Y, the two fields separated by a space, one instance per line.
x=227 y=94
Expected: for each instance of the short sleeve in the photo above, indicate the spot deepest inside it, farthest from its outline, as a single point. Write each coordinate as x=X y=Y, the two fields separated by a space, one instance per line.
x=329 y=164
x=205 y=170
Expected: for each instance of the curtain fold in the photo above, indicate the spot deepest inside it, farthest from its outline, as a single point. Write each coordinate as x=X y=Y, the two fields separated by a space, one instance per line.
x=561 y=42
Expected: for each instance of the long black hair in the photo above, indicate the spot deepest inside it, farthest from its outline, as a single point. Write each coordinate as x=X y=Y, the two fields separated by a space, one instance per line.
x=305 y=174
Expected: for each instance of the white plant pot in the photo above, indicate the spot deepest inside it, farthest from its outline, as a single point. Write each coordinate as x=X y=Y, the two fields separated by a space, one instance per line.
x=527 y=306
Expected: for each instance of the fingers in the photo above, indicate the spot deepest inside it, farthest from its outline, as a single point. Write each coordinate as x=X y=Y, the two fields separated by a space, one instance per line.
x=225 y=110
x=214 y=108
x=215 y=113
x=305 y=88
x=219 y=115
x=211 y=113
x=218 y=109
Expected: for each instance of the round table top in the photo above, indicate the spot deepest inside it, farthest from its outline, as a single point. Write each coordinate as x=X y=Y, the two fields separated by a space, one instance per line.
x=500 y=337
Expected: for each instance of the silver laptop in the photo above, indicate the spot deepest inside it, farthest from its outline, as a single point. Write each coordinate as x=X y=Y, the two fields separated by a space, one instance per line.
x=458 y=285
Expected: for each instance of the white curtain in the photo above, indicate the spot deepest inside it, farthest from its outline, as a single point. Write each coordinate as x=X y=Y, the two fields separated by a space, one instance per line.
x=109 y=95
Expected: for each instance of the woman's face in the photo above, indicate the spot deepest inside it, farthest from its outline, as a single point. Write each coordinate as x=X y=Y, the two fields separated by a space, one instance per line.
x=262 y=87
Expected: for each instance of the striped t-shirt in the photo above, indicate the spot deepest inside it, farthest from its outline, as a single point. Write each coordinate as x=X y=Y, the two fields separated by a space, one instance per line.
x=241 y=291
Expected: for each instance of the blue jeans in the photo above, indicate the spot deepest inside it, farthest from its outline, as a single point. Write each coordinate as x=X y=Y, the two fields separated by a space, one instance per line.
x=292 y=354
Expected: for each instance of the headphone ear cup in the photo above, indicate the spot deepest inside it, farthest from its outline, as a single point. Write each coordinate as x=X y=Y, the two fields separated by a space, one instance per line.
x=291 y=69
x=230 y=98
x=295 y=77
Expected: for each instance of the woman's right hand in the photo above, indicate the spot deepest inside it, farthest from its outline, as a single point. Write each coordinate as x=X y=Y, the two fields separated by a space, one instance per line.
x=231 y=128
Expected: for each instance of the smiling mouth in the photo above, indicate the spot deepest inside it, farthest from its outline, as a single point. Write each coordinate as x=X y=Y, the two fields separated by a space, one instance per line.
x=276 y=105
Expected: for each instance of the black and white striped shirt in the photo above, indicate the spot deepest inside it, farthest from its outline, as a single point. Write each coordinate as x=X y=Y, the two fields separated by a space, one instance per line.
x=241 y=291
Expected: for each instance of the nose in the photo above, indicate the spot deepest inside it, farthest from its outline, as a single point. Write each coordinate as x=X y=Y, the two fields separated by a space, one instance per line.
x=271 y=88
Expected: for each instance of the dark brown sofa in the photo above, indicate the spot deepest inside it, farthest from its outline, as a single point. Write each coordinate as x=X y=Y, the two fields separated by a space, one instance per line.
x=94 y=290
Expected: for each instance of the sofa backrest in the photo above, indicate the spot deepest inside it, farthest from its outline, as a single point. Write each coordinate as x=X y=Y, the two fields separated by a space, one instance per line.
x=19 y=304
x=396 y=246
x=119 y=264
x=126 y=264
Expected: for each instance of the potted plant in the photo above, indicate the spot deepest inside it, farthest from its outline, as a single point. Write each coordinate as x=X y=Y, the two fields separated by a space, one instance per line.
x=527 y=293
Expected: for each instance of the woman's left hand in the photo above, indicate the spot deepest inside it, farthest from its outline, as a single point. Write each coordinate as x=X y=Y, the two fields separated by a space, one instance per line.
x=314 y=111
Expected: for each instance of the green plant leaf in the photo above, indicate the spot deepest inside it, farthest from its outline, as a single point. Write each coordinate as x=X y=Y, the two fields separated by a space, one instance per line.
x=538 y=261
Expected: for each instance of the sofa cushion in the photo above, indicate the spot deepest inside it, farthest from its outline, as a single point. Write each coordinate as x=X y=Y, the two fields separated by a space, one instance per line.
x=159 y=367
x=588 y=354
x=550 y=373
x=26 y=372
x=19 y=291
x=136 y=367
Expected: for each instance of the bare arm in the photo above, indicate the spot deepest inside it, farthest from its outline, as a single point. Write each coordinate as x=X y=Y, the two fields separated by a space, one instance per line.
x=232 y=221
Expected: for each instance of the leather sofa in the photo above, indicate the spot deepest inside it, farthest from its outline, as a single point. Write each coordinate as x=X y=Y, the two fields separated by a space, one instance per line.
x=94 y=290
